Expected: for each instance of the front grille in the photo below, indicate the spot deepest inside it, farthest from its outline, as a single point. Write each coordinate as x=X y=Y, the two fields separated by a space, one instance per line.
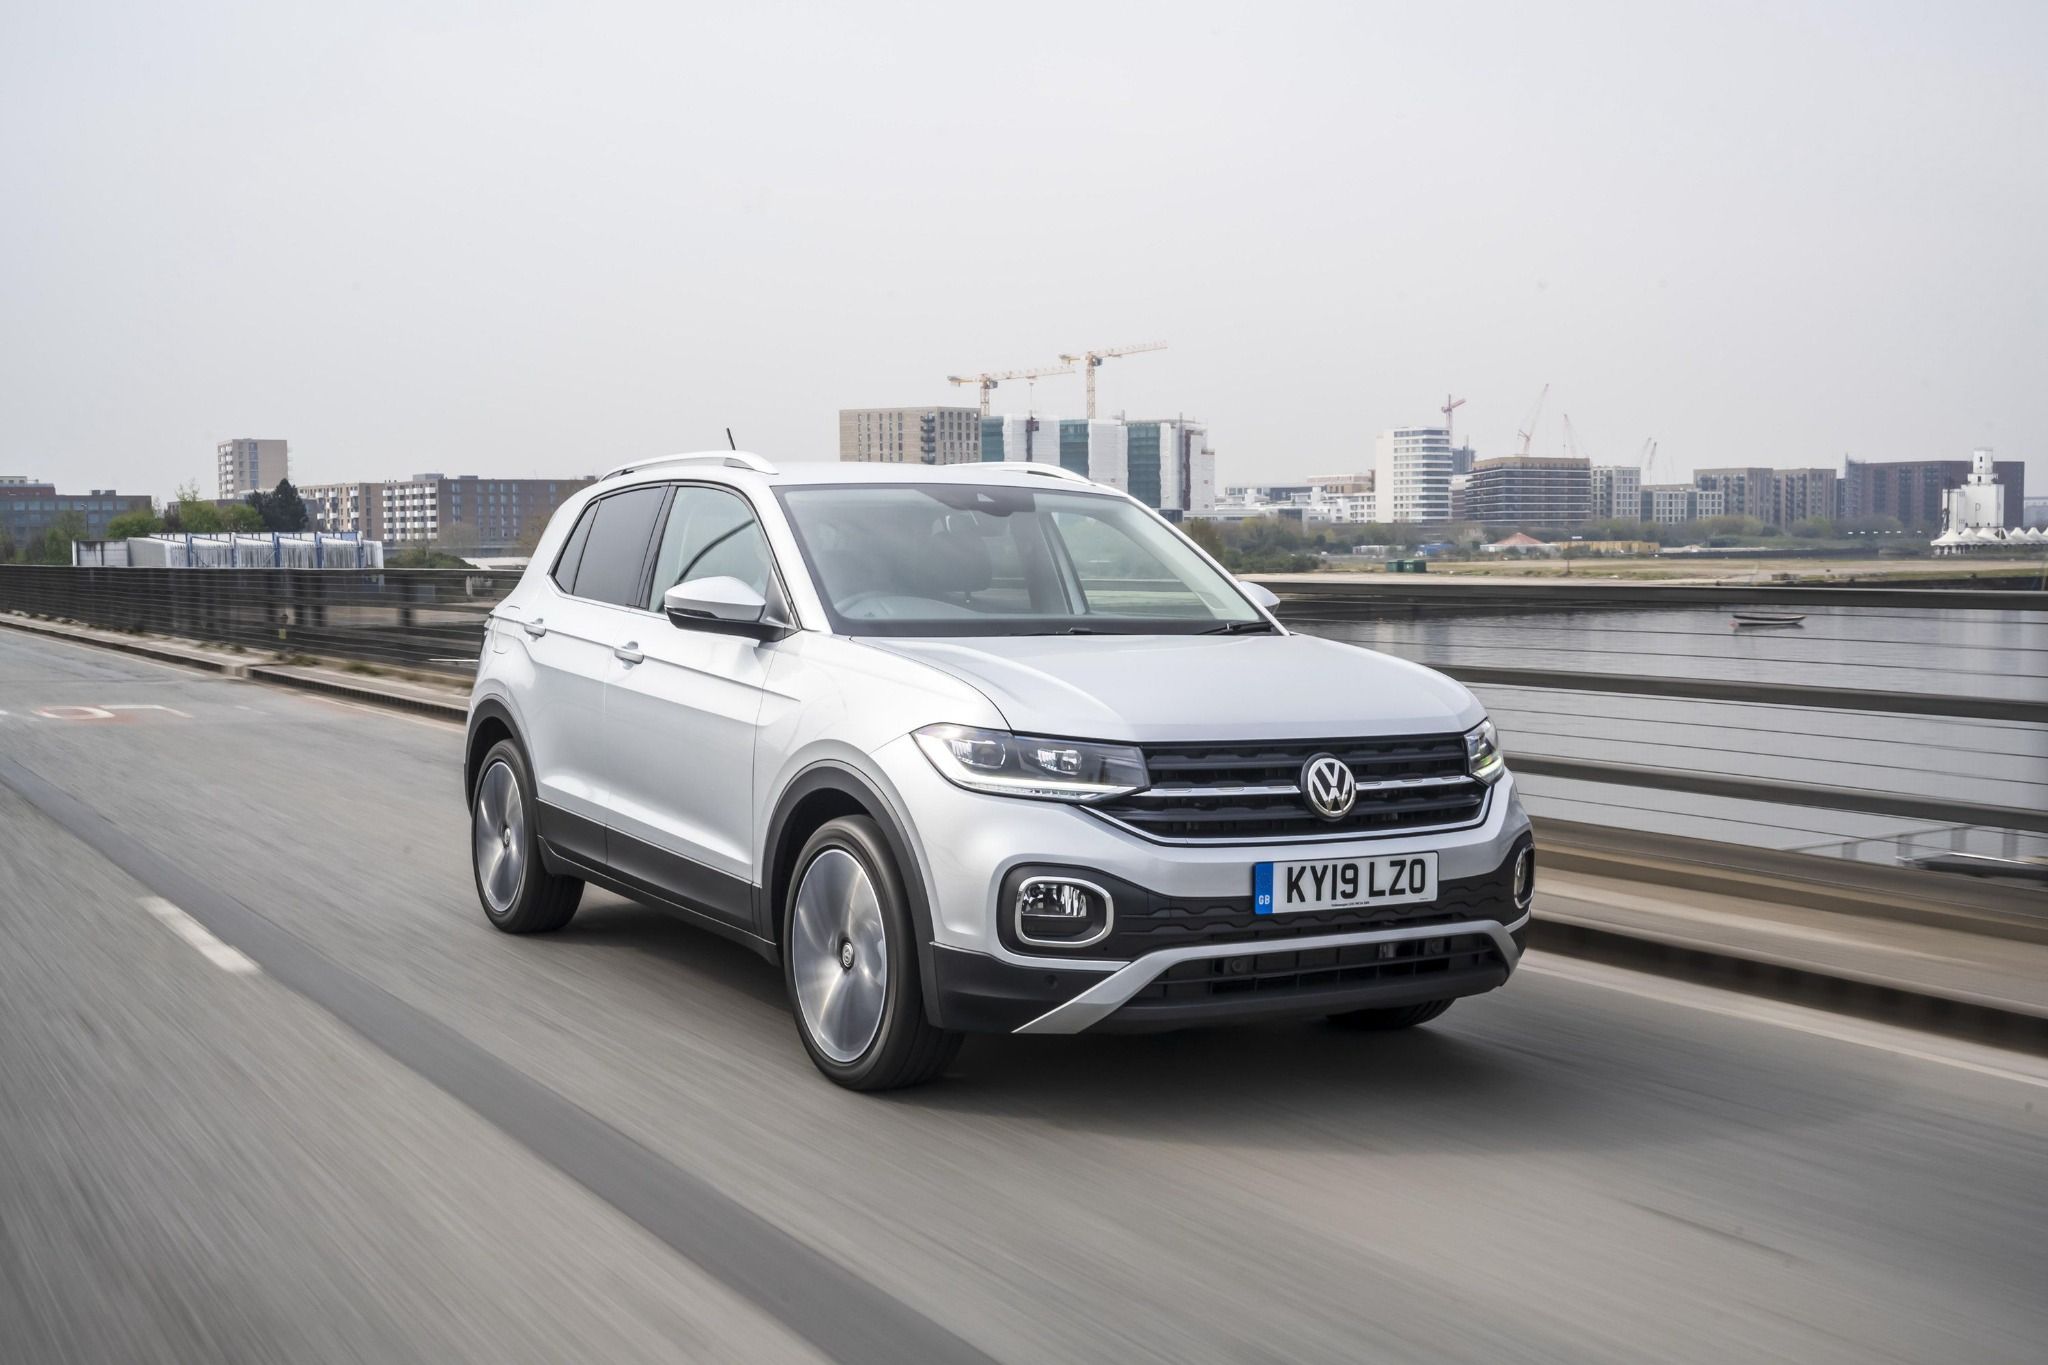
x=1240 y=793
x=1269 y=974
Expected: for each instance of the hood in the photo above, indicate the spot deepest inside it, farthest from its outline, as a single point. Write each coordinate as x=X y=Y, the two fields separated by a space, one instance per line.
x=1159 y=688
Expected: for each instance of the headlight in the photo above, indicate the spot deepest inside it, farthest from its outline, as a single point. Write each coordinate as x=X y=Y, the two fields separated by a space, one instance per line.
x=1020 y=765
x=1482 y=753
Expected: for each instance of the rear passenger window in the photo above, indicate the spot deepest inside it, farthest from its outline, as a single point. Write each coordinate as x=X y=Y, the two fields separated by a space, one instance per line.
x=572 y=553
x=616 y=549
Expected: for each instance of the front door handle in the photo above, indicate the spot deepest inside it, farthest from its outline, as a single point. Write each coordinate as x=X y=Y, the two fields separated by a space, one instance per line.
x=535 y=628
x=628 y=654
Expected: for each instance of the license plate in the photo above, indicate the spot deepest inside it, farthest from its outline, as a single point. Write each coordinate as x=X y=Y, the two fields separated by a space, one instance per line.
x=1343 y=883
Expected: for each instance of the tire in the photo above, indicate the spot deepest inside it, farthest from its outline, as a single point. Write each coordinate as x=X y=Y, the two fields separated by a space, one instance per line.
x=1401 y=1016
x=518 y=894
x=849 y=960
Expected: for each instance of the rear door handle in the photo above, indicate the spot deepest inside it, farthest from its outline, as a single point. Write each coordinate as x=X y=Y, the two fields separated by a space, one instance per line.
x=629 y=654
x=536 y=627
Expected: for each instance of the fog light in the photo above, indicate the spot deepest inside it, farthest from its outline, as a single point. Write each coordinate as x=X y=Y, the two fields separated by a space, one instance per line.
x=1059 y=912
x=1525 y=876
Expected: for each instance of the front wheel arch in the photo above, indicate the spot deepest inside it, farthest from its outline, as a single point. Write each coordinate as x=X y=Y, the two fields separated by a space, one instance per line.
x=824 y=791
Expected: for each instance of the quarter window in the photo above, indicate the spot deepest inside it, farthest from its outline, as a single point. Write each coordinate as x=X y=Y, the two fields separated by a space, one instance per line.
x=572 y=552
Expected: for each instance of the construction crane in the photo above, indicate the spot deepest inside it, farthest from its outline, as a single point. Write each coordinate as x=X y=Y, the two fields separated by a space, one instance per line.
x=988 y=379
x=1571 y=439
x=1092 y=360
x=1450 y=406
x=1649 y=456
x=1528 y=430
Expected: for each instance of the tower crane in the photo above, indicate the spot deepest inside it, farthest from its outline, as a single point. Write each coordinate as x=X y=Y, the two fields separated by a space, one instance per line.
x=1649 y=456
x=986 y=380
x=1450 y=406
x=1528 y=431
x=1092 y=360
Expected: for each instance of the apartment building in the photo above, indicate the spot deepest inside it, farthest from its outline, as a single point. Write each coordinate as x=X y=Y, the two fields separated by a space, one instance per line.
x=1911 y=490
x=910 y=435
x=1412 y=475
x=1530 y=490
x=1674 y=504
x=1166 y=464
x=1617 y=491
x=465 y=510
x=247 y=465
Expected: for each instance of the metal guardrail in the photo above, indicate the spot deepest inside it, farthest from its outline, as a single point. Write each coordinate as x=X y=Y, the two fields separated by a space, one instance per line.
x=1343 y=597
x=430 y=619
x=433 y=620
x=1955 y=705
x=1810 y=795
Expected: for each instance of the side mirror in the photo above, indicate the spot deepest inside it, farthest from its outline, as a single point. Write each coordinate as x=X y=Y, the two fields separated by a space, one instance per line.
x=724 y=605
x=1260 y=594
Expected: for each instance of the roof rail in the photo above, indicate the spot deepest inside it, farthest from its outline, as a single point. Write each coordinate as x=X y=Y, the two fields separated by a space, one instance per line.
x=1056 y=471
x=731 y=459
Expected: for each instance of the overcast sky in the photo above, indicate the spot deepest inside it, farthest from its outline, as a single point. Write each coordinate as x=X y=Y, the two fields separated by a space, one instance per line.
x=522 y=239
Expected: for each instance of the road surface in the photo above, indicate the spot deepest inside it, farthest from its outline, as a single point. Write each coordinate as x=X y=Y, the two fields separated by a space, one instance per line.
x=271 y=1089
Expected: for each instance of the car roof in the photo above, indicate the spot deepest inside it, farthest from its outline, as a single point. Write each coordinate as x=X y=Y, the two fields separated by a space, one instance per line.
x=746 y=468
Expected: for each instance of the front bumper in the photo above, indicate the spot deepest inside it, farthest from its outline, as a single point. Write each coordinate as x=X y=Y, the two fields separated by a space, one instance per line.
x=1218 y=961
x=1187 y=948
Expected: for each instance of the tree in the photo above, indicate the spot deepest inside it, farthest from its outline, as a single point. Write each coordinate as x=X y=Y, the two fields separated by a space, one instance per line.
x=1206 y=534
x=281 y=509
x=284 y=510
x=458 y=538
x=133 y=524
x=56 y=546
x=194 y=514
x=529 y=539
x=243 y=520
x=8 y=549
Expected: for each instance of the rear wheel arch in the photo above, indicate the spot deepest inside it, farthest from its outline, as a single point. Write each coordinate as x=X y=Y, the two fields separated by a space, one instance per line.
x=489 y=722
x=822 y=792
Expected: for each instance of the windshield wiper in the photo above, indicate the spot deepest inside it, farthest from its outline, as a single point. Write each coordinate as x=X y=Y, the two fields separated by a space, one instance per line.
x=1238 y=628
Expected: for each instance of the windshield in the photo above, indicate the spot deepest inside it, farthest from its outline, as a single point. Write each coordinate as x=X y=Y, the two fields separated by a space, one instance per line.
x=953 y=559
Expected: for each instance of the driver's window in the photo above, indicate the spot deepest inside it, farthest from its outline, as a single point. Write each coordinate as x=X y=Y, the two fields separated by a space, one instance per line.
x=710 y=534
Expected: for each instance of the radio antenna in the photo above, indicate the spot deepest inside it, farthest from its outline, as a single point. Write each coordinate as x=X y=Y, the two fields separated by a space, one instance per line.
x=729 y=440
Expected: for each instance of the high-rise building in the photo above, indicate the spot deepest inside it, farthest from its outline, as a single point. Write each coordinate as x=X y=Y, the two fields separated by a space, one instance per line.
x=1531 y=490
x=1617 y=492
x=1911 y=490
x=910 y=435
x=250 y=466
x=1164 y=464
x=1412 y=474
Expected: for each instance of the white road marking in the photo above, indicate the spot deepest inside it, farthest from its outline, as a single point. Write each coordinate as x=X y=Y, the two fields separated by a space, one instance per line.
x=1892 y=1038
x=147 y=706
x=193 y=932
x=74 y=713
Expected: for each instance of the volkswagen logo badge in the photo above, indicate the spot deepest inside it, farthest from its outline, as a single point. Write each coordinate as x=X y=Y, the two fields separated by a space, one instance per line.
x=1329 y=787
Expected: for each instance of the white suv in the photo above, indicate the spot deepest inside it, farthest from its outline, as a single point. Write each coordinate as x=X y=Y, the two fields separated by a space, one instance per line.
x=979 y=747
